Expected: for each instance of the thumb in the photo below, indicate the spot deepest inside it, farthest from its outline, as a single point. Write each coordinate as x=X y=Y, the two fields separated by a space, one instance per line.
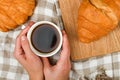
x=65 y=54
x=46 y=62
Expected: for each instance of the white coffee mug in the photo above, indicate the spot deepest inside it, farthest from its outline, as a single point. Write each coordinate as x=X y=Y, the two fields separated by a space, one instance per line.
x=39 y=53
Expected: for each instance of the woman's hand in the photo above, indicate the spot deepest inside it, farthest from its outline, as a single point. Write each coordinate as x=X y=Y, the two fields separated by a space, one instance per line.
x=61 y=70
x=26 y=57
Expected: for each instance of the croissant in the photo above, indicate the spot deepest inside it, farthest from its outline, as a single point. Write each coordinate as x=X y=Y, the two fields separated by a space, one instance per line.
x=14 y=13
x=97 y=18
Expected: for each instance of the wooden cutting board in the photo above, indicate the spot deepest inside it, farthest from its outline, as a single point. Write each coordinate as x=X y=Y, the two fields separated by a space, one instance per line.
x=106 y=45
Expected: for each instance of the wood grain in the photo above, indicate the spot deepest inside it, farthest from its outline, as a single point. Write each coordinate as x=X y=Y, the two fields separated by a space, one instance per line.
x=105 y=45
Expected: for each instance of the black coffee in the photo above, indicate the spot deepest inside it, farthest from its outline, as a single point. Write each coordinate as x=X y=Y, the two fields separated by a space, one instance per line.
x=45 y=38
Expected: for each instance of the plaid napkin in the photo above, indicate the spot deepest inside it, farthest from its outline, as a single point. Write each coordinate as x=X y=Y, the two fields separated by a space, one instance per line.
x=96 y=68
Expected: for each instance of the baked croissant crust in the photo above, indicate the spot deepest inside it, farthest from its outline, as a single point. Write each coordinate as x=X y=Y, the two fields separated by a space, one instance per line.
x=96 y=18
x=14 y=13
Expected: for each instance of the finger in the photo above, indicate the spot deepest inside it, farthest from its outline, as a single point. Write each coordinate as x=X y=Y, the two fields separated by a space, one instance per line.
x=65 y=47
x=17 y=44
x=46 y=62
x=18 y=52
x=27 y=28
x=30 y=24
x=24 y=31
x=65 y=53
x=25 y=46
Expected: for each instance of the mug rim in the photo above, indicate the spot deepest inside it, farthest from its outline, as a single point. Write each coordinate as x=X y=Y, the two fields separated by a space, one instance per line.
x=36 y=51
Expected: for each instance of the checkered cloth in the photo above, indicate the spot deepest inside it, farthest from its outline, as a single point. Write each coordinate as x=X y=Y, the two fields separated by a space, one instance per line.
x=107 y=66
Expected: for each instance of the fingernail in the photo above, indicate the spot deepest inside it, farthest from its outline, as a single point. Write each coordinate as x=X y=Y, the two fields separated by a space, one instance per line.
x=23 y=27
x=23 y=38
